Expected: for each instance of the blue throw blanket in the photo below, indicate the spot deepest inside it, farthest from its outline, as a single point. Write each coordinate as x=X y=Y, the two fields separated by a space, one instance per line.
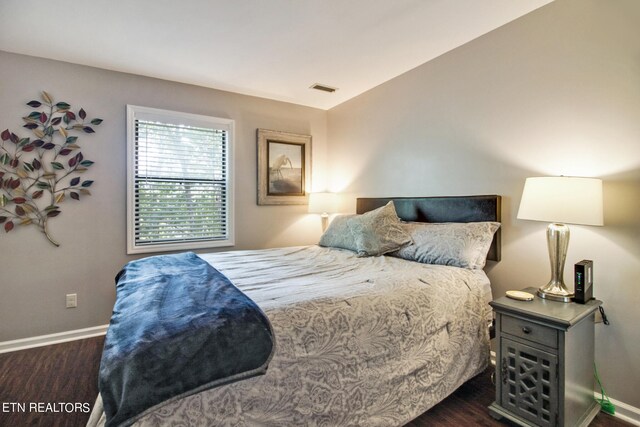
x=178 y=327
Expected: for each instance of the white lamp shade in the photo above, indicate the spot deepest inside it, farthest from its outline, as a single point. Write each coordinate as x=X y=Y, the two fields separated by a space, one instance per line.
x=563 y=200
x=323 y=203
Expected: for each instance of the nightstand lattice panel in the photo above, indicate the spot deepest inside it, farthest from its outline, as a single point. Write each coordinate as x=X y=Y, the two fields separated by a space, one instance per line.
x=530 y=381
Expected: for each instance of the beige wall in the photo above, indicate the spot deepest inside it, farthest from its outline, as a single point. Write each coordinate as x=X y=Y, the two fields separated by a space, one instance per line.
x=35 y=276
x=555 y=92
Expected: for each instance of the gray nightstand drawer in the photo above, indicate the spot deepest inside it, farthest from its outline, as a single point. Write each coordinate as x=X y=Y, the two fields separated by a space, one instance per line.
x=530 y=331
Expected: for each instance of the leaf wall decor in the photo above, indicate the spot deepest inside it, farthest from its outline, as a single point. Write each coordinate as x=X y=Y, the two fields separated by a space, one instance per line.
x=38 y=173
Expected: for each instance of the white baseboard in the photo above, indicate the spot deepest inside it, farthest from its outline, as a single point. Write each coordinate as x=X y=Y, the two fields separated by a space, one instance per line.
x=625 y=412
x=42 y=340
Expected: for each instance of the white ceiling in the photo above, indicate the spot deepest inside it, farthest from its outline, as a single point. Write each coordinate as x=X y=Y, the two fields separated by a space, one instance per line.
x=269 y=48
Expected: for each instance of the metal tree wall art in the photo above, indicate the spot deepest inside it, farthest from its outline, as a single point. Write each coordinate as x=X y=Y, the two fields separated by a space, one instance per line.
x=38 y=173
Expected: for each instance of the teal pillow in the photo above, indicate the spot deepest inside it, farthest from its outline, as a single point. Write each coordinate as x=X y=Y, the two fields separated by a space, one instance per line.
x=338 y=234
x=370 y=234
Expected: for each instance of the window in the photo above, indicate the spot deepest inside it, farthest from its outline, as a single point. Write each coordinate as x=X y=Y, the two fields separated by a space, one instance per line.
x=180 y=189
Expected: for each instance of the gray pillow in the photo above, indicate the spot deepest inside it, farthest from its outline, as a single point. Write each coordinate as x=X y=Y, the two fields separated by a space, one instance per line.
x=370 y=234
x=457 y=244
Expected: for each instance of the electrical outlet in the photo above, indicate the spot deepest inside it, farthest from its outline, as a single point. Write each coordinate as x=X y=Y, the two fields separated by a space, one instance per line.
x=72 y=300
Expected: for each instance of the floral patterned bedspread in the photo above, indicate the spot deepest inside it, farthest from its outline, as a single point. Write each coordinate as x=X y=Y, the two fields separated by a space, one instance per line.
x=359 y=341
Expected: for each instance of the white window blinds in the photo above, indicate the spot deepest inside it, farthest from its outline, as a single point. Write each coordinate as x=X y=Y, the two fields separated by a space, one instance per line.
x=180 y=188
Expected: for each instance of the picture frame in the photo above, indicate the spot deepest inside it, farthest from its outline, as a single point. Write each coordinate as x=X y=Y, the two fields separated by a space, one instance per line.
x=284 y=168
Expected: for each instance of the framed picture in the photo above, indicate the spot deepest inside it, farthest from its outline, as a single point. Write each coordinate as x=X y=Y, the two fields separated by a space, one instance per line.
x=284 y=168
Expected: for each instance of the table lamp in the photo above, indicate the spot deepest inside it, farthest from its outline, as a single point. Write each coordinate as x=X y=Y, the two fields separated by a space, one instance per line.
x=323 y=204
x=560 y=200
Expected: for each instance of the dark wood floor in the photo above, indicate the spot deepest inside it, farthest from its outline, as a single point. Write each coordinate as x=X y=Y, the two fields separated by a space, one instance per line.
x=68 y=372
x=61 y=373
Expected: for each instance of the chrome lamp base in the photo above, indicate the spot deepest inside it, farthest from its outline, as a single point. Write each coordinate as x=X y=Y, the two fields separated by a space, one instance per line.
x=557 y=243
x=555 y=293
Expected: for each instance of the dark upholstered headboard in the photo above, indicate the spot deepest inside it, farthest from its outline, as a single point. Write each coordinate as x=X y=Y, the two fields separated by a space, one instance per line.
x=444 y=209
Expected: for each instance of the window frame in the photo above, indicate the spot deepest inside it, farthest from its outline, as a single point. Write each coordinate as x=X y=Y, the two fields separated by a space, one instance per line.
x=135 y=112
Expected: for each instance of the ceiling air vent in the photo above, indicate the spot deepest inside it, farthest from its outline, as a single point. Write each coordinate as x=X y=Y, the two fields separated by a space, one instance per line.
x=324 y=88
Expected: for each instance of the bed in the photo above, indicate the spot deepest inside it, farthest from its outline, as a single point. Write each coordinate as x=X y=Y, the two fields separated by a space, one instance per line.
x=370 y=341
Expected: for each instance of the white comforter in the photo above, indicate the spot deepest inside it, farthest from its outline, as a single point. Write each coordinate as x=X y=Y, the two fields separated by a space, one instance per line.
x=359 y=341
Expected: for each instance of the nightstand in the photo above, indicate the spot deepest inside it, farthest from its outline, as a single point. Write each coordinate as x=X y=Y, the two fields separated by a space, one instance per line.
x=544 y=362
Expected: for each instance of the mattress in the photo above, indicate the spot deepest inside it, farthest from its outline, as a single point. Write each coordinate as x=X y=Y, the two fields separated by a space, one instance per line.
x=359 y=341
